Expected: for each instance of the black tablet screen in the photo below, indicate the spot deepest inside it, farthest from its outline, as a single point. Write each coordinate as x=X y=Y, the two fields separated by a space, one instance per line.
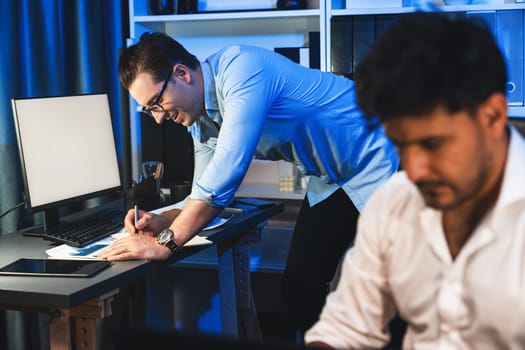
x=54 y=267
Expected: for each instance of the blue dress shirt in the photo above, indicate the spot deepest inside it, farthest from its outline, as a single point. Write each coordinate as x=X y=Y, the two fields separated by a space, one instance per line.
x=259 y=103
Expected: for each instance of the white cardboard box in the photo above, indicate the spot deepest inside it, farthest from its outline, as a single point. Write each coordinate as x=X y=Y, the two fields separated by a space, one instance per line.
x=353 y=4
x=235 y=5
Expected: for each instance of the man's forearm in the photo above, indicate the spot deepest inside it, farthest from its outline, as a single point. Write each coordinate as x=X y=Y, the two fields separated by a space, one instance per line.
x=192 y=219
x=170 y=215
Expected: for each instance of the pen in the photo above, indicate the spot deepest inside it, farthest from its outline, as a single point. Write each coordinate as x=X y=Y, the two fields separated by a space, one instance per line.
x=136 y=208
x=234 y=210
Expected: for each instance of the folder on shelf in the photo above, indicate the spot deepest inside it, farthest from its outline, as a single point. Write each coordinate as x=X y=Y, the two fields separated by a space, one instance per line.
x=363 y=38
x=314 y=43
x=509 y=33
x=486 y=19
x=507 y=28
x=382 y=23
x=299 y=55
x=341 y=46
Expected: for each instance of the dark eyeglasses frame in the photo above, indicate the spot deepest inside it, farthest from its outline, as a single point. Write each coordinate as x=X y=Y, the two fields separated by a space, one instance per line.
x=156 y=107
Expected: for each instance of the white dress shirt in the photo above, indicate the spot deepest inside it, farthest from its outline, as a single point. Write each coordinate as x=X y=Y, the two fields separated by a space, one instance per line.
x=401 y=262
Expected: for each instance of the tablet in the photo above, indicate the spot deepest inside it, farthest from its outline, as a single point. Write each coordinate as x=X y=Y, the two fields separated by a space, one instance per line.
x=256 y=202
x=54 y=267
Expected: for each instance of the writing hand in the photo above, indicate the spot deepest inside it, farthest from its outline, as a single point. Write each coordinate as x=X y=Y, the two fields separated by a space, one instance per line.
x=145 y=224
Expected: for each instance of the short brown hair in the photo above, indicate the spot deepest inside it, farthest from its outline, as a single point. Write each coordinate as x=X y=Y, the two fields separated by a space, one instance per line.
x=155 y=53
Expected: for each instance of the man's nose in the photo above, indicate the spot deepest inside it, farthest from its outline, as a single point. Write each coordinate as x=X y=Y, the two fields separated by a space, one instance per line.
x=159 y=118
x=416 y=163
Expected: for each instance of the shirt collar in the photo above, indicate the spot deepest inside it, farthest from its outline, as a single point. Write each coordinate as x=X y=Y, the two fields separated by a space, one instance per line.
x=513 y=186
x=210 y=95
x=207 y=124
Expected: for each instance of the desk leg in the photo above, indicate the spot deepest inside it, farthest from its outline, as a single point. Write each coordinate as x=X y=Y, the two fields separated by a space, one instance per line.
x=84 y=318
x=60 y=330
x=238 y=313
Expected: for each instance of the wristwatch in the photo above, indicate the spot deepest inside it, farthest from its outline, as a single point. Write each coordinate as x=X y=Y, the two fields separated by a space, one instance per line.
x=165 y=237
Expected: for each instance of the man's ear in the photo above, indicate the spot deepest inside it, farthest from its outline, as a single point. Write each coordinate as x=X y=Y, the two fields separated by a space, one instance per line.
x=493 y=113
x=181 y=72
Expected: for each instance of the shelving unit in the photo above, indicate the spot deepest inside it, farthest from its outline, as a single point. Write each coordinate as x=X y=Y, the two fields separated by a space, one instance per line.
x=516 y=108
x=204 y=33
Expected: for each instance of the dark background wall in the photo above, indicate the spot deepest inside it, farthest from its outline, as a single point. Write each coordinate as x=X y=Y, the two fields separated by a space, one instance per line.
x=171 y=144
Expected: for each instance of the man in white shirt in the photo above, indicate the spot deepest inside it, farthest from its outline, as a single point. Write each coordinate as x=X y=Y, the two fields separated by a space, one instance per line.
x=442 y=243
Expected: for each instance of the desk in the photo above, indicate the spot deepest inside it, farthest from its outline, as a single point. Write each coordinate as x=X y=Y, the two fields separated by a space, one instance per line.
x=75 y=304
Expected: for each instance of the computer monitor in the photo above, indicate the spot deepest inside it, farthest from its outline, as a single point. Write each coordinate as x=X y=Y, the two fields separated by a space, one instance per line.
x=67 y=151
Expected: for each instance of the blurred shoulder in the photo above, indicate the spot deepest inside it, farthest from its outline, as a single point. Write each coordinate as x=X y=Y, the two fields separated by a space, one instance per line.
x=395 y=196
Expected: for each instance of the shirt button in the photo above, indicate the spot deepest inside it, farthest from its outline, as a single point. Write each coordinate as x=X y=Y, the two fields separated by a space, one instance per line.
x=445 y=328
x=451 y=306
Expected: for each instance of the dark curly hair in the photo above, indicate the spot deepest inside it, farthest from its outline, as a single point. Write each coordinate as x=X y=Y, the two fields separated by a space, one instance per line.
x=426 y=60
x=155 y=53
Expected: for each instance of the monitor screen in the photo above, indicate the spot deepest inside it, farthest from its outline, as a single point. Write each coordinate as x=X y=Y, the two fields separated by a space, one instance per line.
x=67 y=149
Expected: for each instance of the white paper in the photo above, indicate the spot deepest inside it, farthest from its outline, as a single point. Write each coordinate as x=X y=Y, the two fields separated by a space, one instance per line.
x=217 y=222
x=91 y=251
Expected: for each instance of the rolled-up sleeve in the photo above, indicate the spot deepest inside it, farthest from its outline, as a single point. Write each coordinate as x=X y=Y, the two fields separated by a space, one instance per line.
x=244 y=92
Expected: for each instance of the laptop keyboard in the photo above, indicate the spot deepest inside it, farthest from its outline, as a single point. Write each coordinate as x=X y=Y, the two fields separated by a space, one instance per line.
x=87 y=230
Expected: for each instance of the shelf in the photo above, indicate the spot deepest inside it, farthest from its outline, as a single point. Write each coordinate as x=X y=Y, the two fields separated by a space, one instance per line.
x=372 y=11
x=450 y=8
x=267 y=190
x=217 y=16
x=516 y=111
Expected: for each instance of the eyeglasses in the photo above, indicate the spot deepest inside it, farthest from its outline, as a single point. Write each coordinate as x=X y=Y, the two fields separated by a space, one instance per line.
x=156 y=107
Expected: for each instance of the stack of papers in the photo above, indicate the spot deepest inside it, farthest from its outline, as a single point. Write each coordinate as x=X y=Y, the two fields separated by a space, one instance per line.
x=91 y=251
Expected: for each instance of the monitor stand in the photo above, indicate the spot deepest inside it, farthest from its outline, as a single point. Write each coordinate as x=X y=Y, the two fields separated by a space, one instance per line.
x=50 y=217
x=50 y=220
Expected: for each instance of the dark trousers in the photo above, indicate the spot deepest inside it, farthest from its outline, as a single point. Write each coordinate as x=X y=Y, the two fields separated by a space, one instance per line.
x=322 y=235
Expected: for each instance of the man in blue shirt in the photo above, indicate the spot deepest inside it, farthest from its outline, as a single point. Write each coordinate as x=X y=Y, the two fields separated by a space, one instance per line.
x=245 y=102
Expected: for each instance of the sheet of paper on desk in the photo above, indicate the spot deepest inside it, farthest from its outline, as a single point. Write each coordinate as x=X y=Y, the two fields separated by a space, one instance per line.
x=217 y=222
x=91 y=250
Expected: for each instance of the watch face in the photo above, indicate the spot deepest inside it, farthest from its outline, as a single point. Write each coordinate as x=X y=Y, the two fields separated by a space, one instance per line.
x=164 y=237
